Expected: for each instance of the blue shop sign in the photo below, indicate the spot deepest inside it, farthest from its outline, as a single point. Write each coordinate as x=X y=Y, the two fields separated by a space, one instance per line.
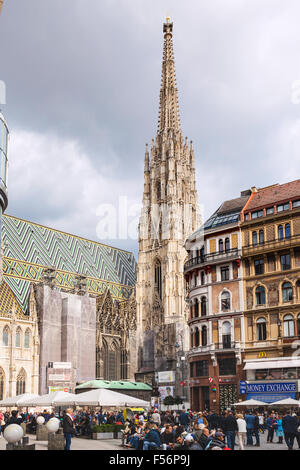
x=272 y=387
x=243 y=388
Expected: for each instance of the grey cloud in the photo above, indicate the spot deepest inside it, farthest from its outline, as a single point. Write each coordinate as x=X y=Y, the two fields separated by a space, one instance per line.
x=89 y=71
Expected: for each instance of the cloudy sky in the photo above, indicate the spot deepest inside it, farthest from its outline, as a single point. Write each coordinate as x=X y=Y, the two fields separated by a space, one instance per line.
x=83 y=80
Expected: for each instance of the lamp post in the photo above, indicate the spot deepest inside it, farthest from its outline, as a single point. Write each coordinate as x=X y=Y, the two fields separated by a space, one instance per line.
x=182 y=359
x=279 y=328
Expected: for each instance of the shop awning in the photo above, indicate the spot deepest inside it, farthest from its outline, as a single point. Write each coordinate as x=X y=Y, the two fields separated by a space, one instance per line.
x=289 y=363
x=270 y=397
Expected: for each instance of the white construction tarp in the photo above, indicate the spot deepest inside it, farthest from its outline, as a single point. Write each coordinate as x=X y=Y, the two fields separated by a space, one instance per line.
x=51 y=399
x=106 y=397
x=18 y=400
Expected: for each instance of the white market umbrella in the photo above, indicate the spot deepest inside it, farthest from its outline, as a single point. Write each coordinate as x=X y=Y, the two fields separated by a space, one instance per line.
x=250 y=403
x=286 y=401
x=106 y=397
x=18 y=400
x=52 y=399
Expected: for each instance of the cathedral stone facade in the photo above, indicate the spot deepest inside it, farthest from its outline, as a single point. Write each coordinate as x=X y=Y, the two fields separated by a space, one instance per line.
x=67 y=310
x=169 y=214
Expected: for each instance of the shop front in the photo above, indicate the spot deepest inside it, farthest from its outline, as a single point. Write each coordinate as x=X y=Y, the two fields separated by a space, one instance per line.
x=271 y=380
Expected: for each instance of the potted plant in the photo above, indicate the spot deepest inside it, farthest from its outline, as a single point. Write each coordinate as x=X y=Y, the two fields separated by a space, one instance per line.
x=103 y=431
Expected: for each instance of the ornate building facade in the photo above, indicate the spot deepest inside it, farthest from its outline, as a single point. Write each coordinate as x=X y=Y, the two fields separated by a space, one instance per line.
x=57 y=326
x=271 y=254
x=169 y=215
x=214 y=276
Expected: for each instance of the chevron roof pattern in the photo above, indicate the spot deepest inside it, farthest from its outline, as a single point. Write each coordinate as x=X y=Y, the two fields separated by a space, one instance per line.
x=29 y=248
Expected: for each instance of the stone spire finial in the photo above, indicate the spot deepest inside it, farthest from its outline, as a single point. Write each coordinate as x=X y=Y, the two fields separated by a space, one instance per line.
x=168 y=107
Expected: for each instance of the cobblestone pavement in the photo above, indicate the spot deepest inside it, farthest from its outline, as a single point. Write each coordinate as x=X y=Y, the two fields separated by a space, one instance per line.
x=114 y=444
x=264 y=445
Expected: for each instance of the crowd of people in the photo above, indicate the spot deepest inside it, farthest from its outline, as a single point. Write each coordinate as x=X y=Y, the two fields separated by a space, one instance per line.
x=184 y=430
x=188 y=430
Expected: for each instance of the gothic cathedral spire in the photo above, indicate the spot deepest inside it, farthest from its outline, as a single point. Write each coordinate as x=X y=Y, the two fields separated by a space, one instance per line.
x=169 y=215
x=168 y=109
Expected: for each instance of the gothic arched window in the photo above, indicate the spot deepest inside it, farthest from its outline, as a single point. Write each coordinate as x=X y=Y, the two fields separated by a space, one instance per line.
x=5 y=335
x=221 y=245
x=227 y=244
x=21 y=382
x=27 y=339
x=157 y=278
x=280 y=232
x=18 y=338
x=287 y=231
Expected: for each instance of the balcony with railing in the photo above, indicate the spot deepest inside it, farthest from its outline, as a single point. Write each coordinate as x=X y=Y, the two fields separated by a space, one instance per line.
x=271 y=245
x=223 y=347
x=212 y=258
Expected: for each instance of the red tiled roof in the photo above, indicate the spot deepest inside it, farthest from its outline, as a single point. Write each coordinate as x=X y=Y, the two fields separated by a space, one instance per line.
x=274 y=195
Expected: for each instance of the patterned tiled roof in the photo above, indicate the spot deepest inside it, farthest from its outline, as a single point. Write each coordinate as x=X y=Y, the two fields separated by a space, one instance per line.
x=29 y=248
x=274 y=194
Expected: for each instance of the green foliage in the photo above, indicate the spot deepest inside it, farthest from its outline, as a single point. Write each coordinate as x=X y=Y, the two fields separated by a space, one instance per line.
x=177 y=401
x=108 y=428
x=168 y=401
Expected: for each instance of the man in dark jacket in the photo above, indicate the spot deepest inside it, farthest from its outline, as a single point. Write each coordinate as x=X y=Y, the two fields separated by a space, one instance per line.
x=168 y=437
x=152 y=440
x=68 y=428
x=290 y=426
x=213 y=421
x=184 y=419
x=230 y=428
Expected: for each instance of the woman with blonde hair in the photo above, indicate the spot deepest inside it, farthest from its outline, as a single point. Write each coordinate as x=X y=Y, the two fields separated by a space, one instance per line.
x=242 y=431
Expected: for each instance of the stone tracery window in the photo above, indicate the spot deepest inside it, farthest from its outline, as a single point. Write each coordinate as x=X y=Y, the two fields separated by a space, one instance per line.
x=27 y=339
x=5 y=335
x=18 y=338
x=21 y=382
x=158 y=278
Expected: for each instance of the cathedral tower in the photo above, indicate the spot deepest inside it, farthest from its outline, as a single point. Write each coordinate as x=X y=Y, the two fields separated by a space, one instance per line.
x=169 y=215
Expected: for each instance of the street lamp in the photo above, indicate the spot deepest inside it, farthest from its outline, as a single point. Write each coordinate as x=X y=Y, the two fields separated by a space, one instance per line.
x=279 y=330
x=182 y=359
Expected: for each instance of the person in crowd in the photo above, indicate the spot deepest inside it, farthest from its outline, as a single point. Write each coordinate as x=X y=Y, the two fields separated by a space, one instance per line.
x=230 y=428
x=250 y=422
x=191 y=443
x=184 y=419
x=271 y=424
x=152 y=439
x=68 y=428
x=14 y=418
x=279 y=429
x=290 y=429
x=155 y=418
x=242 y=431
x=168 y=438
